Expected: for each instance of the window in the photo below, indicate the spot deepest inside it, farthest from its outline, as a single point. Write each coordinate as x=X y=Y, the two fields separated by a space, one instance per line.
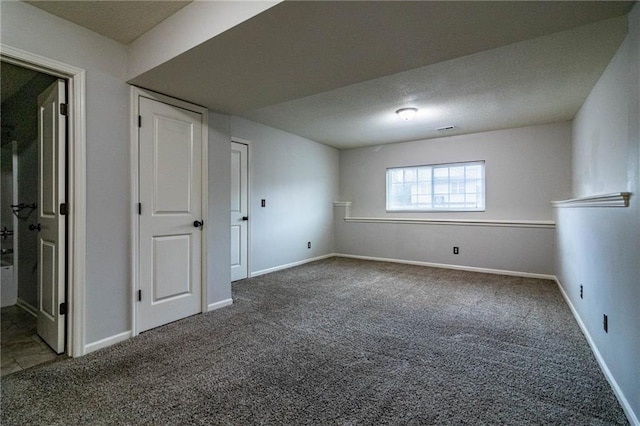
x=436 y=187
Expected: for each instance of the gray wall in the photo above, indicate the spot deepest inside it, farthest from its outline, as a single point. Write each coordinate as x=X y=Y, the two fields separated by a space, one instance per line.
x=600 y=247
x=108 y=291
x=298 y=179
x=219 y=237
x=526 y=169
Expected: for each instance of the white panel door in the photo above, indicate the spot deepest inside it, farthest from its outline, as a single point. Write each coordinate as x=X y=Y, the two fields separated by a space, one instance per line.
x=170 y=192
x=51 y=226
x=239 y=212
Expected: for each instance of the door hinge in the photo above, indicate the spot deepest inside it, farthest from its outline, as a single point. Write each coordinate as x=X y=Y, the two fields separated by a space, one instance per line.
x=63 y=109
x=63 y=308
x=139 y=121
x=139 y=208
x=139 y=295
x=63 y=209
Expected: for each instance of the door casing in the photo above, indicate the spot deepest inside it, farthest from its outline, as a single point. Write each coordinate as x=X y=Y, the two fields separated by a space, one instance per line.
x=76 y=186
x=248 y=242
x=136 y=93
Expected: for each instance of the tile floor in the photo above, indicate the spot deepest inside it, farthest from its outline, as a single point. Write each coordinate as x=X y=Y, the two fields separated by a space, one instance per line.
x=20 y=346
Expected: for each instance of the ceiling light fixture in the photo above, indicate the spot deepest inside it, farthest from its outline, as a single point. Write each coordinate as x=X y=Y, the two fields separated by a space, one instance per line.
x=407 y=113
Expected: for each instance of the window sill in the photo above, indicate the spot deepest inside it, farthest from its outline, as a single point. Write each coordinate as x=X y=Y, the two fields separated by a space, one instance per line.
x=435 y=211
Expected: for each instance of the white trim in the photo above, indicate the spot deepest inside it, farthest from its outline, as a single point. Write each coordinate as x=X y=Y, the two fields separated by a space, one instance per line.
x=205 y=207
x=27 y=307
x=447 y=266
x=454 y=222
x=342 y=204
x=220 y=304
x=615 y=199
x=240 y=140
x=136 y=93
x=77 y=177
x=457 y=222
x=108 y=341
x=135 y=218
x=291 y=265
x=624 y=402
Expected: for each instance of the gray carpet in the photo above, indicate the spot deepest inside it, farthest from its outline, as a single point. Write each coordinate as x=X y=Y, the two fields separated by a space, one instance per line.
x=339 y=341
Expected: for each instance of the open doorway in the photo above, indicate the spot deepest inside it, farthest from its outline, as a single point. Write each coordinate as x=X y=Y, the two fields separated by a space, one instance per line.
x=26 y=269
x=76 y=197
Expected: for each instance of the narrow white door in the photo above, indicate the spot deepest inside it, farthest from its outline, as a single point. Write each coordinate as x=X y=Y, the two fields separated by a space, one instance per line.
x=171 y=223
x=239 y=212
x=51 y=226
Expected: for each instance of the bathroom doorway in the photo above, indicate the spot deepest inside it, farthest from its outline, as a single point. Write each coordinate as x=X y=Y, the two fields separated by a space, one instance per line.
x=23 y=293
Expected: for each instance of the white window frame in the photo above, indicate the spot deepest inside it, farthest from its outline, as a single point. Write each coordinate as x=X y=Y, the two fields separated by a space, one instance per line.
x=432 y=194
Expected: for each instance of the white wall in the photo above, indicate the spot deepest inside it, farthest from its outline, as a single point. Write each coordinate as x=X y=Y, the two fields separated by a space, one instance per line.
x=525 y=169
x=298 y=179
x=599 y=248
x=108 y=292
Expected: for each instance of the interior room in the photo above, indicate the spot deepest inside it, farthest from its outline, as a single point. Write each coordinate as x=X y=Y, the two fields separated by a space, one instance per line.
x=277 y=133
x=21 y=346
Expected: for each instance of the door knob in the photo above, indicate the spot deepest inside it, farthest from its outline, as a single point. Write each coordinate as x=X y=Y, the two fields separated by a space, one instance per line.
x=245 y=217
x=198 y=223
x=35 y=227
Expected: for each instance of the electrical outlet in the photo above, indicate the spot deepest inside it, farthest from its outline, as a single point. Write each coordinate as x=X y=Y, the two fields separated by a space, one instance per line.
x=309 y=244
x=456 y=250
x=581 y=291
x=605 y=323
x=263 y=203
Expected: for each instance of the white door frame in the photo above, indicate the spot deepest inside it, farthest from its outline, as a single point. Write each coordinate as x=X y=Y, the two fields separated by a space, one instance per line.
x=76 y=181
x=248 y=144
x=136 y=93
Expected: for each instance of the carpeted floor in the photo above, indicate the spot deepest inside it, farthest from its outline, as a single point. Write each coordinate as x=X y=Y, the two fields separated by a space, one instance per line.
x=339 y=341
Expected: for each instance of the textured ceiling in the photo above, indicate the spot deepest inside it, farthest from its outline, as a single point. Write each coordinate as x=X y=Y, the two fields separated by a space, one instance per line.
x=531 y=82
x=335 y=71
x=123 y=21
x=297 y=49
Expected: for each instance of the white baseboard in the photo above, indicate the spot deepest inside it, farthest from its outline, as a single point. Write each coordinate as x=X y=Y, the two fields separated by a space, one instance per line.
x=121 y=337
x=27 y=307
x=112 y=340
x=218 y=305
x=624 y=402
x=291 y=265
x=447 y=266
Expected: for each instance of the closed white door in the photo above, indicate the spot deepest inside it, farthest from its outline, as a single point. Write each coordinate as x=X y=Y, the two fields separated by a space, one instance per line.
x=51 y=226
x=239 y=211
x=171 y=223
